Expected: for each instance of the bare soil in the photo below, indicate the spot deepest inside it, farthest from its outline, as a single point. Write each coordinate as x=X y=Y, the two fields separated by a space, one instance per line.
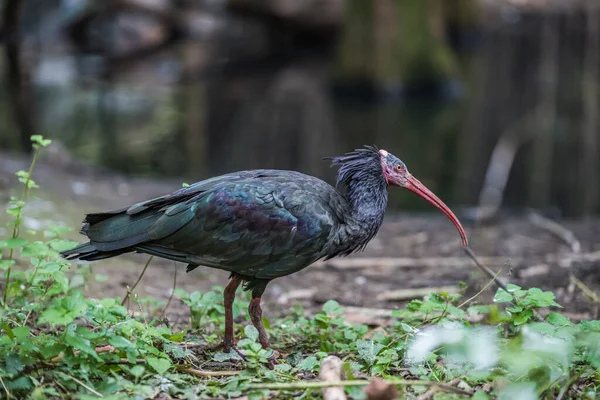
x=410 y=251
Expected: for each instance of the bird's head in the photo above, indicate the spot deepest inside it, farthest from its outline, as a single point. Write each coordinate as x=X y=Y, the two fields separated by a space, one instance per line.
x=396 y=174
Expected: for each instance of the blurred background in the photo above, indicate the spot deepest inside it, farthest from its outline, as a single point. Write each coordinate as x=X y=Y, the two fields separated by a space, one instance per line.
x=486 y=101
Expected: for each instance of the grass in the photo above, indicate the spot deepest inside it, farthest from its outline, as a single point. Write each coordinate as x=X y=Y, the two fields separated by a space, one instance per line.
x=56 y=343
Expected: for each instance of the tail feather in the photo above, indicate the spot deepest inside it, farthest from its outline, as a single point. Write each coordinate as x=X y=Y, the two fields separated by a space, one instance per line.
x=127 y=230
x=88 y=252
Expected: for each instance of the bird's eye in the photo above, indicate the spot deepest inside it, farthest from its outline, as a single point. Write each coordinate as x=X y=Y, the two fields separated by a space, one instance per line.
x=399 y=167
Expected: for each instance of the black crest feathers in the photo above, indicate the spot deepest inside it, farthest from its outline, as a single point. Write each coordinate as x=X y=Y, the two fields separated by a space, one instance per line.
x=357 y=165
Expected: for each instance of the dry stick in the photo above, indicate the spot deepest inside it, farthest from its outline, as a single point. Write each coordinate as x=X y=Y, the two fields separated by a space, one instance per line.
x=172 y=293
x=129 y=290
x=586 y=290
x=209 y=374
x=485 y=269
x=557 y=230
x=566 y=387
x=320 y=385
x=5 y=389
x=331 y=371
x=101 y=349
x=411 y=293
x=82 y=384
x=482 y=290
x=491 y=274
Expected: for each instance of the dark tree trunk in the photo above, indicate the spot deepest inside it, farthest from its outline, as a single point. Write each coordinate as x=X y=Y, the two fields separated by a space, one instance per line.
x=17 y=79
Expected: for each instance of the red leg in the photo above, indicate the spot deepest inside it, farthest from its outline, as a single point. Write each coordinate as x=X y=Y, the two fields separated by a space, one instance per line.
x=228 y=298
x=256 y=316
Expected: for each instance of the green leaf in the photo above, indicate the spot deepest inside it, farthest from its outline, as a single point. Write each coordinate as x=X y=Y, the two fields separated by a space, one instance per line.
x=13 y=364
x=6 y=264
x=21 y=332
x=308 y=364
x=480 y=395
x=81 y=344
x=537 y=298
x=283 y=367
x=160 y=365
x=266 y=323
x=13 y=243
x=520 y=391
x=221 y=357
x=22 y=383
x=62 y=245
x=332 y=307
x=58 y=316
x=251 y=332
x=119 y=342
x=590 y=326
x=137 y=371
x=502 y=296
x=40 y=141
x=176 y=337
x=8 y=330
x=368 y=350
x=523 y=317
x=558 y=319
x=512 y=287
x=14 y=211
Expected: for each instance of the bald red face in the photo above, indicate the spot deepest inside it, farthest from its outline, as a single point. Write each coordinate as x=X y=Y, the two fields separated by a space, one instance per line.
x=396 y=174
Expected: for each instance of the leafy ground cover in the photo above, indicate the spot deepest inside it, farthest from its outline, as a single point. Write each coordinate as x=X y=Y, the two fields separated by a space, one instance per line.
x=56 y=343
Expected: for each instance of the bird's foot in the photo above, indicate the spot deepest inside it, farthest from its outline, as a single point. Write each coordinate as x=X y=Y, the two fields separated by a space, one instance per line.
x=273 y=359
x=226 y=346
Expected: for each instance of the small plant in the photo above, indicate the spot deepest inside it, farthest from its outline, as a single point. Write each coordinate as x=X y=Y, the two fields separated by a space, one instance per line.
x=525 y=302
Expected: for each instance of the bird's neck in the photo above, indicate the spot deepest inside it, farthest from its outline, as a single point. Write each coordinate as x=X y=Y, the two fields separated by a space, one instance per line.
x=368 y=201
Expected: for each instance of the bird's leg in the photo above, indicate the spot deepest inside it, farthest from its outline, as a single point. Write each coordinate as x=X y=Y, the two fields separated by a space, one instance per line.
x=256 y=316
x=256 y=312
x=228 y=298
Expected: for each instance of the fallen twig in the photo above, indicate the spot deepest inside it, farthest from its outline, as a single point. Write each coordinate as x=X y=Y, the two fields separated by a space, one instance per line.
x=411 y=293
x=92 y=390
x=162 y=315
x=586 y=290
x=431 y=392
x=406 y=262
x=5 y=389
x=130 y=290
x=485 y=269
x=557 y=230
x=331 y=371
x=209 y=374
x=370 y=264
x=565 y=388
x=482 y=290
x=491 y=274
x=101 y=349
x=372 y=312
x=320 y=385
x=296 y=294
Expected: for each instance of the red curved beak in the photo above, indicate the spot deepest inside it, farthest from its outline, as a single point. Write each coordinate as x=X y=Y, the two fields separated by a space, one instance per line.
x=415 y=186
